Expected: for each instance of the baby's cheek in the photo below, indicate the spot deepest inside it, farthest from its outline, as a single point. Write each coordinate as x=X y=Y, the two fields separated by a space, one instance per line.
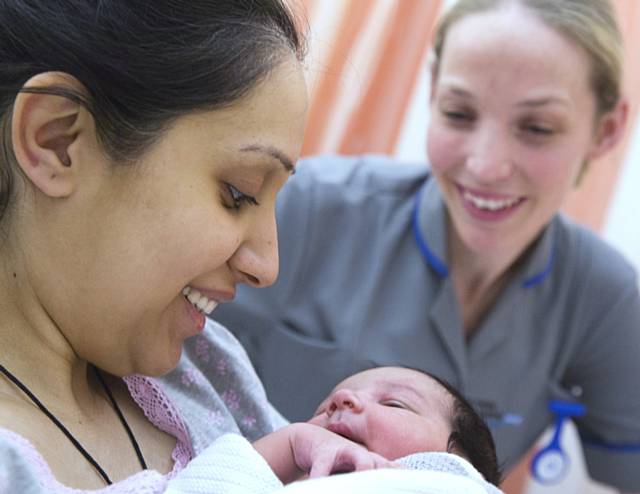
x=385 y=436
x=319 y=420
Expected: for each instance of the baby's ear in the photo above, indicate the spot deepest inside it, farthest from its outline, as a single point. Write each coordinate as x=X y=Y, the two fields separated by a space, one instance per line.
x=44 y=128
x=453 y=446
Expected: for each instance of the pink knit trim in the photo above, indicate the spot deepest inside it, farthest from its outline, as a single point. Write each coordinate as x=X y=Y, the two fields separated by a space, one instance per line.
x=145 y=482
x=159 y=409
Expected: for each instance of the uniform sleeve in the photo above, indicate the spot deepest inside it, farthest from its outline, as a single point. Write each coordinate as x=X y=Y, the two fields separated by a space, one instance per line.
x=607 y=370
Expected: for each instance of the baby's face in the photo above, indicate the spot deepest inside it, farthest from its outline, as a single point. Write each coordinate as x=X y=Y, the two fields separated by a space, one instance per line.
x=390 y=410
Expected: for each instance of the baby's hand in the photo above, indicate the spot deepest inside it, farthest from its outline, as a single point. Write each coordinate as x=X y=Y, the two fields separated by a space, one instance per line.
x=321 y=452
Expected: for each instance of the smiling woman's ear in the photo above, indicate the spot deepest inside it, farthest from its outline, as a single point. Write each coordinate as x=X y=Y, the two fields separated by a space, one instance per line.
x=610 y=129
x=44 y=129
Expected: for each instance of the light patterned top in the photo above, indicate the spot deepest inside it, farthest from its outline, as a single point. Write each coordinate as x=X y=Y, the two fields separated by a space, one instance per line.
x=212 y=391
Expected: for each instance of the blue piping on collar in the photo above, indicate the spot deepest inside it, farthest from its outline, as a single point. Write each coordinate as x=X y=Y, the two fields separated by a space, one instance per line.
x=430 y=257
x=442 y=269
x=537 y=278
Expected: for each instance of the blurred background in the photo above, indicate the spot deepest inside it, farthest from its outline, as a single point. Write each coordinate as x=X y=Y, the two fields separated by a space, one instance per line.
x=367 y=69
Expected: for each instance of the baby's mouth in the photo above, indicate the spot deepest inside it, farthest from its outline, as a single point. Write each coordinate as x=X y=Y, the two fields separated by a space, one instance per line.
x=344 y=431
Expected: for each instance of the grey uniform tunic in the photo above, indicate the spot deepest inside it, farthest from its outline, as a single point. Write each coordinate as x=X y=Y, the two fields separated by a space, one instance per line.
x=364 y=282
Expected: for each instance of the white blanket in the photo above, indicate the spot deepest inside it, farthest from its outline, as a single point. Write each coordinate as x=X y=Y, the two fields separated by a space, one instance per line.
x=232 y=466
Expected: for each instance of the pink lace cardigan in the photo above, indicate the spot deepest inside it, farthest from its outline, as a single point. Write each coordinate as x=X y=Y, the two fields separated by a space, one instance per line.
x=213 y=391
x=159 y=410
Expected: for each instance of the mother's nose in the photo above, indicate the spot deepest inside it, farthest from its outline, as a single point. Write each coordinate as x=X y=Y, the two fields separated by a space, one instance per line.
x=345 y=399
x=256 y=259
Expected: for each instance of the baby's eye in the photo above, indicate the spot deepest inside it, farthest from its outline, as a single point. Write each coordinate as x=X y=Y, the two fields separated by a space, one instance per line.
x=394 y=404
x=234 y=199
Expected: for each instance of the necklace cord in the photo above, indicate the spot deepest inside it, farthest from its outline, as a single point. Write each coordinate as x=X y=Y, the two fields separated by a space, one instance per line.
x=136 y=447
x=59 y=424
x=66 y=432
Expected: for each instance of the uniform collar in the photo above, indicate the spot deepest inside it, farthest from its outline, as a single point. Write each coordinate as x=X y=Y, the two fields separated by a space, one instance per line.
x=430 y=233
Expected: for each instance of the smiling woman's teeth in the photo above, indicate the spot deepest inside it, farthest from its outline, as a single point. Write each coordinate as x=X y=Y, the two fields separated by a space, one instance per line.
x=199 y=301
x=490 y=204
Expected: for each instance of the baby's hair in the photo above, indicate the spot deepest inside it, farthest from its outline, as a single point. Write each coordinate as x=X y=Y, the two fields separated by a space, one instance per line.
x=470 y=436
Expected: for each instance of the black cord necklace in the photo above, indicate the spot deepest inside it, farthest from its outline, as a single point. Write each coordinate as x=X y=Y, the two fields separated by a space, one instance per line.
x=66 y=432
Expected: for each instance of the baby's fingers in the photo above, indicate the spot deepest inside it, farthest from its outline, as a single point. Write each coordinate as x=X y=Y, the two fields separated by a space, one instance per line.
x=372 y=461
x=349 y=460
x=322 y=466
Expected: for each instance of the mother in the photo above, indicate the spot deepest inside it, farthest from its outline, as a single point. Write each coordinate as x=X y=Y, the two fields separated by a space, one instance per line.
x=143 y=144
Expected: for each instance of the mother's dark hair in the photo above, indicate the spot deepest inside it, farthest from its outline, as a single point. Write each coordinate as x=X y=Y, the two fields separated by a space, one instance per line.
x=143 y=63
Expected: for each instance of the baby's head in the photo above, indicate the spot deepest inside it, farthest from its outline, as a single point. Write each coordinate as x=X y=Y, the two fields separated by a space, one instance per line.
x=396 y=411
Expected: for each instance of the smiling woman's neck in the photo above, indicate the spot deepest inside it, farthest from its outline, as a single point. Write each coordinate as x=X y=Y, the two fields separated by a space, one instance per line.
x=478 y=279
x=479 y=271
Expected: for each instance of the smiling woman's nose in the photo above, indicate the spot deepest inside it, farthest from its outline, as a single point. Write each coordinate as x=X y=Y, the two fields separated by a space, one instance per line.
x=488 y=157
x=345 y=399
x=488 y=169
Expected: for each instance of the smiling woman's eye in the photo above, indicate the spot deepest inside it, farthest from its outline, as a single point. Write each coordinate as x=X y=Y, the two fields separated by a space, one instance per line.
x=457 y=117
x=539 y=130
x=536 y=128
x=232 y=198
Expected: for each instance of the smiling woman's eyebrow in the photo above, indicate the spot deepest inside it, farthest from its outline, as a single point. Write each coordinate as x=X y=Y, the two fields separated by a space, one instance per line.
x=544 y=100
x=273 y=153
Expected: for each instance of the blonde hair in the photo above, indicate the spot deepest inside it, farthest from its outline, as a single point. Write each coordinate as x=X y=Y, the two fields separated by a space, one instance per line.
x=590 y=23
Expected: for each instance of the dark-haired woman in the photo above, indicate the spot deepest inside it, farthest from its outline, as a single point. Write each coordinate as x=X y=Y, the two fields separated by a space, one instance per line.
x=143 y=144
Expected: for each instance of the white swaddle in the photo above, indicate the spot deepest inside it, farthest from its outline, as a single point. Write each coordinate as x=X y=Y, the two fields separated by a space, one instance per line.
x=231 y=466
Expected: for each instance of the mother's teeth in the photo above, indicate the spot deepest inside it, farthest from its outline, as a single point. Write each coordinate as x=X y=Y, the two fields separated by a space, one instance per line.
x=210 y=306
x=199 y=301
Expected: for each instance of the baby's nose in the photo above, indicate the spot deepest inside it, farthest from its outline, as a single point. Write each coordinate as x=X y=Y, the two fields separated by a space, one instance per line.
x=345 y=399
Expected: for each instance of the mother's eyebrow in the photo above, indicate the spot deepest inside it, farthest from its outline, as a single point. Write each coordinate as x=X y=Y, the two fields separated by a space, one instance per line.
x=273 y=152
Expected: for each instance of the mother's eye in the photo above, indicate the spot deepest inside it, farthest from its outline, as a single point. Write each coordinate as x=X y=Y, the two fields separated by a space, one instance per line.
x=232 y=198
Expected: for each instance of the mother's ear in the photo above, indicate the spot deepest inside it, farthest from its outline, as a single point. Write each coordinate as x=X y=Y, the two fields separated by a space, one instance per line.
x=44 y=128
